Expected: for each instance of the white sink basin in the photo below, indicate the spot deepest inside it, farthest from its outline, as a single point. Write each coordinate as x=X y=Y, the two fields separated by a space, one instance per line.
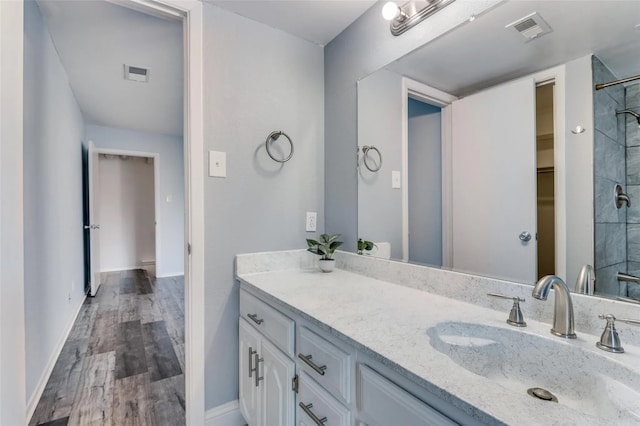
x=586 y=381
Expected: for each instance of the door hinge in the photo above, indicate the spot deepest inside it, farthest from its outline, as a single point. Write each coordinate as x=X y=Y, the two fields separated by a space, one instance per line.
x=294 y=384
x=189 y=249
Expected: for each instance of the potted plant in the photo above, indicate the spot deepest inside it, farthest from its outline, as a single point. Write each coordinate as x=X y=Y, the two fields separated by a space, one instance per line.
x=325 y=248
x=364 y=245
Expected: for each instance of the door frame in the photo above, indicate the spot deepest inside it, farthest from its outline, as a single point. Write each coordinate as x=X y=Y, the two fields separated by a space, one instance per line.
x=156 y=188
x=415 y=90
x=556 y=75
x=425 y=93
x=12 y=331
x=191 y=14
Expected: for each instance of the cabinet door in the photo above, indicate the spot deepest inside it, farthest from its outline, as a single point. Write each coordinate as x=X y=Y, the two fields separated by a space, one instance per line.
x=382 y=403
x=277 y=398
x=315 y=404
x=249 y=392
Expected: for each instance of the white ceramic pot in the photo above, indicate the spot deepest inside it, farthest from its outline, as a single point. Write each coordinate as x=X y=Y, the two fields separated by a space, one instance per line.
x=327 y=265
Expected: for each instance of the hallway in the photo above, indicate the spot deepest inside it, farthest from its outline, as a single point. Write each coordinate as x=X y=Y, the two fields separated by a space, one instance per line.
x=123 y=362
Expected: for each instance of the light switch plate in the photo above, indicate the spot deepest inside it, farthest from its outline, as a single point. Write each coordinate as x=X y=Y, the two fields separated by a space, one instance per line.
x=217 y=164
x=395 y=179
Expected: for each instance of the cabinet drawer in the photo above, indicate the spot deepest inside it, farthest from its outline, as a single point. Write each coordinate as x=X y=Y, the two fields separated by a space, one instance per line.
x=316 y=407
x=325 y=362
x=272 y=324
x=381 y=402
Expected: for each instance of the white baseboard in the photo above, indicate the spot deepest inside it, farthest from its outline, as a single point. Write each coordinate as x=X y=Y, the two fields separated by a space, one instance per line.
x=42 y=383
x=169 y=274
x=224 y=415
x=123 y=268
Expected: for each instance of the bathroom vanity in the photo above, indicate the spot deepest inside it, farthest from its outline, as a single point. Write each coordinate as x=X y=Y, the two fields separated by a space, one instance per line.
x=378 y=342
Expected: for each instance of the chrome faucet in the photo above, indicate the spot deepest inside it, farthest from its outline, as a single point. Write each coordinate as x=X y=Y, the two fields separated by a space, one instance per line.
x=585 y=281
x=563 y=308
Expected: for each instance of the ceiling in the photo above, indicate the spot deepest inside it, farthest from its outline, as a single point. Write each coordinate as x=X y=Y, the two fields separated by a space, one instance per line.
x=94 y=40
x=318 y=21
x=483 y=52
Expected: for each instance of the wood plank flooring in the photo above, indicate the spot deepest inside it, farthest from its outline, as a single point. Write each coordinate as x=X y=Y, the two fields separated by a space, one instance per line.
x=123 y=363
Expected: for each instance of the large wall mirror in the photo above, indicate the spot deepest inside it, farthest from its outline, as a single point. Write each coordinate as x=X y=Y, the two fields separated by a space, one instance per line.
x=489 y=151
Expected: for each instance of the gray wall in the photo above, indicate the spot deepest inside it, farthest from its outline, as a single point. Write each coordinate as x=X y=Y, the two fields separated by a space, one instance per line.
x=425 y=183
x=171 y=169
x=365 y=46
x=609 y=169
x=257 y=80
x=53 y=247
x=380 y=125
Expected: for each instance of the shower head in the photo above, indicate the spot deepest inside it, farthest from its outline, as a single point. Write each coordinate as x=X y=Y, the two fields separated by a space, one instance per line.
x=628 y=111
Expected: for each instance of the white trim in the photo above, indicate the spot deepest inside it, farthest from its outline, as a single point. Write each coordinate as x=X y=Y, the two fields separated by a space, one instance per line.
x=420 y=91
x=120 y=269
x=170 y=274
x=46 y=374
x=192 y=15
x=156 y=198
x=447 y=185
x=225 y=415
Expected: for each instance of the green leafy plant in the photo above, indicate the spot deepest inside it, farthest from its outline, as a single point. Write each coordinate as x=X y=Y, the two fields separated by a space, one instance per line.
x=365 y=245
x=325 y=248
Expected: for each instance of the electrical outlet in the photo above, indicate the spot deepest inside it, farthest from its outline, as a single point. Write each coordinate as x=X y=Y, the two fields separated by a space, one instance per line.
x=312 y=218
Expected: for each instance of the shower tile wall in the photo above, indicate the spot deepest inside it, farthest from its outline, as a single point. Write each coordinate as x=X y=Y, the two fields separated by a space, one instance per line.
x=609 y=169
x=632 y=101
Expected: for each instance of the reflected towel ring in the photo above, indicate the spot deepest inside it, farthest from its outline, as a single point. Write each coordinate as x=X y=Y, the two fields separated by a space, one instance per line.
x=365 y=153
x=273 y=136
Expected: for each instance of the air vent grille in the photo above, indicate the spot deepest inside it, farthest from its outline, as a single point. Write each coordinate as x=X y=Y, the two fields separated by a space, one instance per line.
x=531 y=26
x=137 y=74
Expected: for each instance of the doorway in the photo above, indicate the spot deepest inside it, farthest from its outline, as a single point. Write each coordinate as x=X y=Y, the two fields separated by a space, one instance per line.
x=545 y=180
x=35 y=385
x=424 y=182
x=126 y=200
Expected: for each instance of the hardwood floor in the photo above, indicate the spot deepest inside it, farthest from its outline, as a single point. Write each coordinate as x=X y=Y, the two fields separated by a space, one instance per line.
x=123 y=363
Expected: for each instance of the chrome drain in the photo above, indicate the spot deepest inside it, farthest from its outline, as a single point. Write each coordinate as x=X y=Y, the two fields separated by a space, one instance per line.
x=542 y=394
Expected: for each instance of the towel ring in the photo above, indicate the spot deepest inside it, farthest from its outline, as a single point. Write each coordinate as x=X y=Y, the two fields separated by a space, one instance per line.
x=274 y=136
x=365 y=153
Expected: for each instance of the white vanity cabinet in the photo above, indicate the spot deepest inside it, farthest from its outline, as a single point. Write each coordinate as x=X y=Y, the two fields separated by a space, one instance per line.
x=266 y=373
x=325 y=381
x=381 y=402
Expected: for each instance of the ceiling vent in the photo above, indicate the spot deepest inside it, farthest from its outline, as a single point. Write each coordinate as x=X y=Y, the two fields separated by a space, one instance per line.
x=531 y=26
x=139 y=74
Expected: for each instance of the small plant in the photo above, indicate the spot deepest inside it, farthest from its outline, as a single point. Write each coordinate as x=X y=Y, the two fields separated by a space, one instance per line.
x=325 y=248
x=364 y=245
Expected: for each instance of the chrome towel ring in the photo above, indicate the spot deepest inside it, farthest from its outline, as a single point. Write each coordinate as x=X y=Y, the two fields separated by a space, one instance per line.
x=365 y=157
x=273 y=136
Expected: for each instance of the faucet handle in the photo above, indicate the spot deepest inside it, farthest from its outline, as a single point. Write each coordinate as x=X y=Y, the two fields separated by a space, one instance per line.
x=610 y=341
x=516 y=318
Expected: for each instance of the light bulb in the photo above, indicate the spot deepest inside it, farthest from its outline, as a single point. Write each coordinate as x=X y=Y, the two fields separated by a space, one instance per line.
x=390 y=11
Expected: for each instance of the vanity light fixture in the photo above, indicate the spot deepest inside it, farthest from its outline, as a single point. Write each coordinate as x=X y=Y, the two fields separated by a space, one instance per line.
x=411 y=13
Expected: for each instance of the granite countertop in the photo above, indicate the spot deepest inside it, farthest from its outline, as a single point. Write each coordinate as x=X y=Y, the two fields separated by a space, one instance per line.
x=390 y=322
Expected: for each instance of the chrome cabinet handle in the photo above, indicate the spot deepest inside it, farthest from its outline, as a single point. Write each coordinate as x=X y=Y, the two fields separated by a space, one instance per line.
x=525 y=236
x=258 y=360
x=251 y=354
x=317 y=368
x=307 y=409
x=254 y=318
